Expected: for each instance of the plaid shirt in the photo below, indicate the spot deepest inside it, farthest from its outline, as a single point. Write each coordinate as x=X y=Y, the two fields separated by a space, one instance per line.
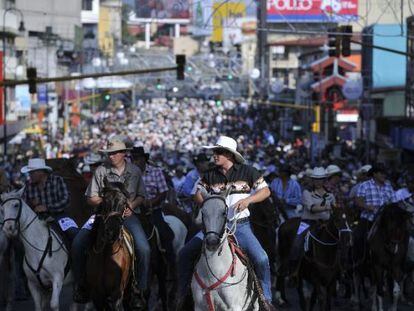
x=292 y=194
x=375 y=195
x=54 y=195
x=154 y=181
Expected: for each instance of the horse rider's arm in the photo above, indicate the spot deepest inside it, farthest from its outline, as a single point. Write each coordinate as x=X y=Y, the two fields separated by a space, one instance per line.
x=360 y=202
x=259 y=195
x=95 y=201
x=158 y=199
x=137 y=201
x=198 y=198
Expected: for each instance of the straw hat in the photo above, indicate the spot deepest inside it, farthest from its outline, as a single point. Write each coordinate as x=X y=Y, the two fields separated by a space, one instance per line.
x=35 y=164
x=114 y=145
x=318 y=173
x=333 y=169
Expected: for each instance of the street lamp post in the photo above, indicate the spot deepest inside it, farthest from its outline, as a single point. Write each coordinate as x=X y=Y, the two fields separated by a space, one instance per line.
x=21 y=29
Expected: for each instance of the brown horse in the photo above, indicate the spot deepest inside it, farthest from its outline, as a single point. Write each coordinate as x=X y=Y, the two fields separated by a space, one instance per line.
x=110 y=261
x=327 y=247
x=78 y=209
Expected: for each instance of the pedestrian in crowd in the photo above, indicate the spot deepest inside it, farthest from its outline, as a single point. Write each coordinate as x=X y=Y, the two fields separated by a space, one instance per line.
x=286 y=193
x=333 y=184
x=116 y=169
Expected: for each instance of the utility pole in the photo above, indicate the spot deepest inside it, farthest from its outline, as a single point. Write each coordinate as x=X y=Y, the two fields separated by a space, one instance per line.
x=262 y=55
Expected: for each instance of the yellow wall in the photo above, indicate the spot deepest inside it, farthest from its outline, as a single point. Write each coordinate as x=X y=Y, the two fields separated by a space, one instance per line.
x=106 y=41
x=224 y=15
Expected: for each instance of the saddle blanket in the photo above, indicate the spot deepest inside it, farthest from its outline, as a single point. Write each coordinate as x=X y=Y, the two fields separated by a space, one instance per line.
x=89 y=223
x=303 y=226
x=66 y=223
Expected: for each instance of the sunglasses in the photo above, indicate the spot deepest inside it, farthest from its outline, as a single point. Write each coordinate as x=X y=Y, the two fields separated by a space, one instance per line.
x=220 y=151
x=114 y=153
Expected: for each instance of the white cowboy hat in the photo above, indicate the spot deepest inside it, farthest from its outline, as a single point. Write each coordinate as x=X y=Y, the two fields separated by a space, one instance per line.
x=333 y=169
x=93 y=158
x=318 y=173
x=230 y=145
x=35 y=164
x=402 y=195
x=365 y=169
x=114 y=145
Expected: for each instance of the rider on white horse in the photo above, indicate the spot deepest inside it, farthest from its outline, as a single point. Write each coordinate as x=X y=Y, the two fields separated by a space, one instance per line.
x=247 y=187
x=116 y=170
x=48 y=195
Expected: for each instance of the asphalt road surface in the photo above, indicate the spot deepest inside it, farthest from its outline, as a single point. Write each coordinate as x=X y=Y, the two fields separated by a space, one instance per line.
x=338 y=305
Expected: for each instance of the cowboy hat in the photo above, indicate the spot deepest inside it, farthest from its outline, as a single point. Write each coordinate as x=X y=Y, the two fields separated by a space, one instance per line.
x=92 y=159
x=228 y=144
x=318 y=173
x=137 y=152
x=333 y=169
x=35 y=164
x=114 y=145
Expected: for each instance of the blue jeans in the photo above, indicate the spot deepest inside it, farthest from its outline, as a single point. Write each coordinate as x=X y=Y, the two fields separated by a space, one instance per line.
x=83 y=242
x=247 y=241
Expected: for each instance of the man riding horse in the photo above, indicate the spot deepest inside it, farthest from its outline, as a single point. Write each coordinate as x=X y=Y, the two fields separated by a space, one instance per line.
x=246 y=186
x=117 y=169
x=48 y=195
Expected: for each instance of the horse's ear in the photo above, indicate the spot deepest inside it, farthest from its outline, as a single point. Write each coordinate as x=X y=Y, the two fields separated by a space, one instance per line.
x=198 y=220
x=19 y=193
x=106 y=182
x=204 y=193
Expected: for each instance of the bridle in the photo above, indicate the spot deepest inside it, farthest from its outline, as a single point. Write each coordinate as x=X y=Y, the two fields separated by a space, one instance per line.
x=223 y=227
x=18 y=216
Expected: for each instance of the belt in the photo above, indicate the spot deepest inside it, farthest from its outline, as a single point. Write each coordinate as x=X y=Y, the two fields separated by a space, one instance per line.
x=242 y=220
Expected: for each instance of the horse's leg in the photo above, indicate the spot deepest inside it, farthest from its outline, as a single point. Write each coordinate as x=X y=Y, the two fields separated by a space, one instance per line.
x=36 y=294
x=396 y=291
x=307 y=294
x=280 y=297
x=56 y=288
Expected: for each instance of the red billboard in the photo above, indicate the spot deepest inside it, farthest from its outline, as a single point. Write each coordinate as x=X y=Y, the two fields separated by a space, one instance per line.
x=311 y=11
x=1 y=90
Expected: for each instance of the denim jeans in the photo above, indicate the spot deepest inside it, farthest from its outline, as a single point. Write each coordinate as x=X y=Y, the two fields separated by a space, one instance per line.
x=247 y=241
x=83 y=242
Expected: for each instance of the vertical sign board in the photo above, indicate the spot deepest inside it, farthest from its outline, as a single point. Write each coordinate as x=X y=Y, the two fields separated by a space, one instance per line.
x=1 y=90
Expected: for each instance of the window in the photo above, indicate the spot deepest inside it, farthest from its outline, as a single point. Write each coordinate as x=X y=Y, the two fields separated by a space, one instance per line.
x=280 y=52
x=87 y=5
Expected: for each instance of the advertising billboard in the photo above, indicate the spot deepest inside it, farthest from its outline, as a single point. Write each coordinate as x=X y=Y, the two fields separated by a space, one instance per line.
x=227 y=16
x=202 y=17
x=162 y=9
x=311 y=11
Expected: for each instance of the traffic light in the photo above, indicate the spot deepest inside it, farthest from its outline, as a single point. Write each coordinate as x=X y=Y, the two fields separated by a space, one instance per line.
x=317 y=120
x=31 y=74
x=230 y=77
x=334 y=44
x=346 y=40
x=180 y=61
x=159 y=85
x=106 y=97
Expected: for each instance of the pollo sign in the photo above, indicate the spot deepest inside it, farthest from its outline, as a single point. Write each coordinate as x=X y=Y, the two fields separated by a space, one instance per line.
x=317 y=11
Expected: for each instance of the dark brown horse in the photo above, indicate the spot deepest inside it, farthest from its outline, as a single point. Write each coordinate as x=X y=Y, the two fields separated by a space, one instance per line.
x=78 y=210
x=388 y=244
x=110 y=261
x=327 y=244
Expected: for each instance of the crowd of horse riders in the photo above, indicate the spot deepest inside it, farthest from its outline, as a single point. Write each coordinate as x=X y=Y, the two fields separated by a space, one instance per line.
x=306 y=228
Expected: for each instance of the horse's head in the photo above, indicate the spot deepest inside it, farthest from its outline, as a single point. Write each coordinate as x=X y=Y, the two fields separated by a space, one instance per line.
x=11 y=210
x=341 y=219
x=109 y=220
x=394 y=225
x=214 y=219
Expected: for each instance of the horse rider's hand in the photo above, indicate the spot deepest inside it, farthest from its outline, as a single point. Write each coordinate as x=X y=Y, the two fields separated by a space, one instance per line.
x=128 y=211
x=242 y=204
x=40 y=208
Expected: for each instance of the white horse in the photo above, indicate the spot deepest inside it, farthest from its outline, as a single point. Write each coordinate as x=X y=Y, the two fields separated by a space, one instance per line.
x=45 y=261
x=7 y=261
x=180 y=232
x=220 y=281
